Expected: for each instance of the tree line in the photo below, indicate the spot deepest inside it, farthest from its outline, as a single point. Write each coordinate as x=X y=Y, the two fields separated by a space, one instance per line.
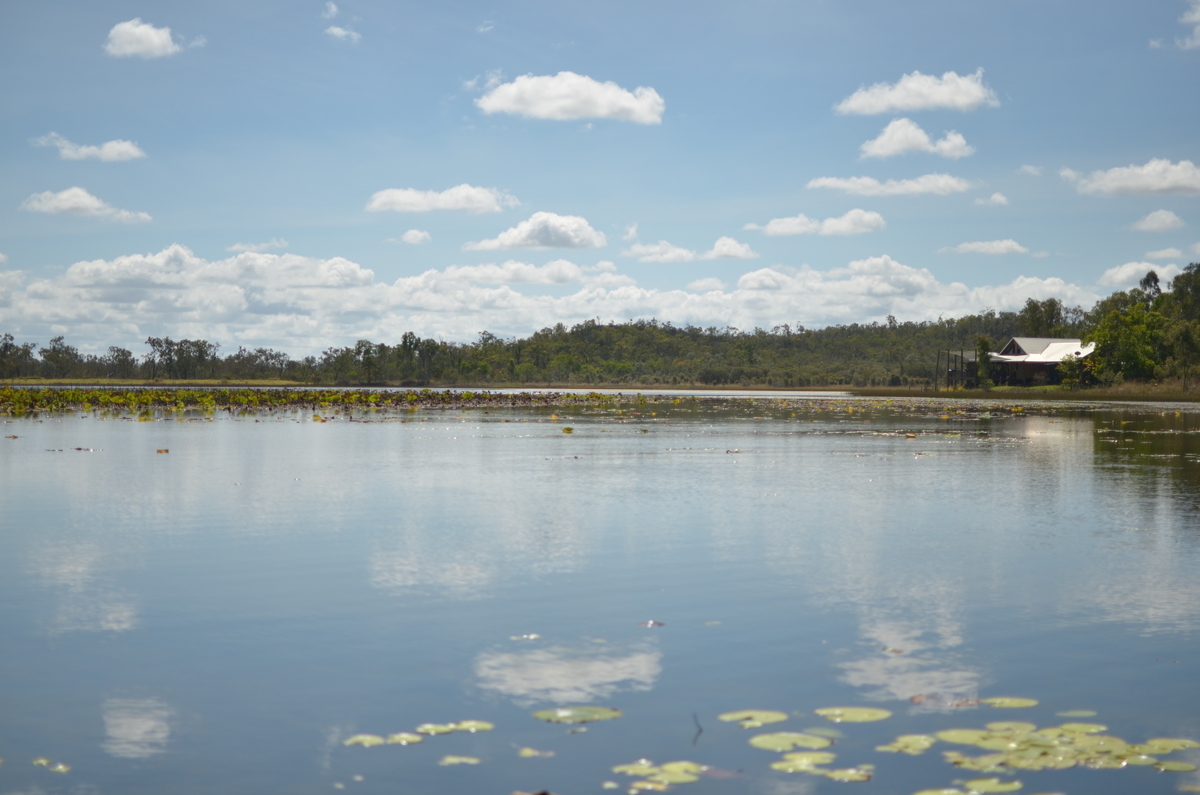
x=1143 y=334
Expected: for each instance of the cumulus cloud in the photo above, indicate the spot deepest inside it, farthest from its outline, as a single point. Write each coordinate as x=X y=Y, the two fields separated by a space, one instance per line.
x=1164 y=253
x=461 y=197
x=728 y=248
x=1007 y=246
x=567 y=96
x=415 y=237
x=331 y=11
x=995 y=200
x=1128 y=275
x=544 y=230
x=109 y=150
x=1190 y=17
x=1157 y=176
x=78 y=201
x=917 y=91
x=139 y=38
x=270 y=244
x=662 y=251
x=904 y=135
x=940 y=184
x=305 y=304
x=854 y=222
x=1159 y=221
x=343 y=34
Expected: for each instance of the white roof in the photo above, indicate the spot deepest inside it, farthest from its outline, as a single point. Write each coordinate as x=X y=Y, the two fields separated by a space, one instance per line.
x=1052 y=354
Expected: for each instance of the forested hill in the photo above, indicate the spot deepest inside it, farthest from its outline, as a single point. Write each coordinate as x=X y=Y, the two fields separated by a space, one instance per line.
x=1141 y=334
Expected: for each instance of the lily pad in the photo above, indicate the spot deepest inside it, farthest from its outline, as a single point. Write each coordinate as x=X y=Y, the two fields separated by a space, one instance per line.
x=753 y=718
x=435 y=728
x=786 y=741
x=657 y=786
x=1008 y=702
x=41 y=761
x=642 y=767
x=1176 y=767
x=582 y=714
x=793 y=766
x=682 y=766
x=365 y=740
x=458 y=760
x=1140 y=759
x=404 y=738
x=911 y=744
x=473 y=726
x=1083 y=728
x=1011 y=726
x=1172 y=743
x=849 y=774
x=992 y=785
x=62 y=767
x=962 y=736
x=853 y=714
x=673 y=777
x=811 y=758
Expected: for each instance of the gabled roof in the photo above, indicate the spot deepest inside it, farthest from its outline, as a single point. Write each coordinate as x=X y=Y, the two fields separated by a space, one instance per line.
x=1042 y=350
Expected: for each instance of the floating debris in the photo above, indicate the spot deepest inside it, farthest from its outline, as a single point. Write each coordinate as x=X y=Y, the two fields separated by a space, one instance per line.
x=582 y=714
x=853 y=714
x=753 y=718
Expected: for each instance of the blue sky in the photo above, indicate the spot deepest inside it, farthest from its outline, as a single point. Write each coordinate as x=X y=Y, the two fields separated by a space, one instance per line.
x=247 y=173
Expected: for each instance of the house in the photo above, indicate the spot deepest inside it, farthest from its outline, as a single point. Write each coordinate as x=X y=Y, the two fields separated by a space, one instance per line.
x=1034 y=360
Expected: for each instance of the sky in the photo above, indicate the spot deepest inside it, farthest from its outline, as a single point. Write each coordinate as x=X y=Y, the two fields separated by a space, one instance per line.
x=301 y=175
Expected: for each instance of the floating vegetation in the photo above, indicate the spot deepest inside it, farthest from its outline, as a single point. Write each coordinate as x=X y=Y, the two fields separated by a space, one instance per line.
x=448 y=760
x=658 y=778
x=803 y=761
x=435 y=728
x=473 y=726
x=853 y=714
x=533 y=753
x=583 y=714
x=787 y=741
x=753 y=718
x=53 y=767
x=1009 y=703
x=404 y=738
x=365 y=740
x=992 y=785
x=41 y=761
x=911 y=744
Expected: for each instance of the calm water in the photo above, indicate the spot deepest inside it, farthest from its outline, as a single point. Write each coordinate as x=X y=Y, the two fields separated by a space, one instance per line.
x=219 y=618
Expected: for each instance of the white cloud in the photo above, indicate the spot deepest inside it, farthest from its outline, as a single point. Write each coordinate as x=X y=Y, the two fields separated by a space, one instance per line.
x=706 y=285
x=78 y=201
x=995 y=200
x=3 y=258
x=109 y=150
x=461 y=197
x=1159 y=221
x=940 y=184
x=988 y=247
x=631 y=232
x=1129 y=274
x=728 y=248
x=921 y=92
x=662 y=251
x=1191 y=17
x=1164 y=253
x=331 y=11
x=415 y=237
x=559 y=271
x=485 y=26
x=544 y=230
x=854 y=222
x=343 y=34
x=1196 y=248
x=139 y=38
x=304 y=304
x=904 y=135
x=490 y=79
x=1033 y=171
x=270 y=244
x=567 y=96
x=1157 y=176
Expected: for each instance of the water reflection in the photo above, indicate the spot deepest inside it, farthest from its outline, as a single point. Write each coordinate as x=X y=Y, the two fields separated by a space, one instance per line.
x=912 y=662
x=136 y=728
x=85 y=601
x=564 y=674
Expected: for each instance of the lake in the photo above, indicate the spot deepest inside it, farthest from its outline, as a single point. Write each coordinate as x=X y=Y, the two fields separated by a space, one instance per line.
x=222 y=617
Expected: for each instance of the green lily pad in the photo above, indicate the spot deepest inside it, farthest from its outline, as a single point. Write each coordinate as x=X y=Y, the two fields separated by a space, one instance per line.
x=1173 y=743
x=962 y=736
x=810 y=757
x=992 y=785
x=657 y=786
x=853 y=714
x=682 y=766
x=435 y=728
x=1083 y=728
x=1011 y=726
x=404 y=738
x=786 y=741
x=1176 y=767
x=473 y=726
x=458 y=760
x=849 y=774
x=1140 y=759
x=365 y=740
x=753 y=718
x=794 y=766
x=1009 y=702
x=1077 y=713
x=911 y=744
x=577 y=714
x=642 y=767
x=673 y=777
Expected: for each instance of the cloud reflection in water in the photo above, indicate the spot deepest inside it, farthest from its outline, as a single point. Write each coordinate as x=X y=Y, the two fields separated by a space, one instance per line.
x=136 y=728
x=562 y=674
